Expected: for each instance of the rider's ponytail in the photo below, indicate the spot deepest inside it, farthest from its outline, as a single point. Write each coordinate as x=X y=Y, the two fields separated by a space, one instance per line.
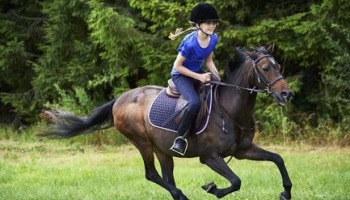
x=179 y=32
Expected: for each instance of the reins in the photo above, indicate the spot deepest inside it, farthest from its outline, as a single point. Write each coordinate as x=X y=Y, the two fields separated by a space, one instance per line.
x=239 y=87
x=223 y=128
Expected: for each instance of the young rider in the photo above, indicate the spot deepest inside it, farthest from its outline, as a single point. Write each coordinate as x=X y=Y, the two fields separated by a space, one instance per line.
x=195 y=50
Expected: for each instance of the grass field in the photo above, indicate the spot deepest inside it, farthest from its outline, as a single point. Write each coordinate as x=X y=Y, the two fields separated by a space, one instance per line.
x=57 y=170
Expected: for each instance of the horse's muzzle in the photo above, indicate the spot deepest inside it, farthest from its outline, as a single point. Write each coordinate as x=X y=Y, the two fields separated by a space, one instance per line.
x=283 y=97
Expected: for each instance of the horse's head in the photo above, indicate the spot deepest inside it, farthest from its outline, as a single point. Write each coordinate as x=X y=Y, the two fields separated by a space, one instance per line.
x=268 y=76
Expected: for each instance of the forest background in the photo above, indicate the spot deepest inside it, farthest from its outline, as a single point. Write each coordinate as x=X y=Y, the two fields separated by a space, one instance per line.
x=77 y=54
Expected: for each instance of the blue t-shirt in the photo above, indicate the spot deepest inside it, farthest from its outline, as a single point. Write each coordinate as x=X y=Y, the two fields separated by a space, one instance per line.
x=194 y=53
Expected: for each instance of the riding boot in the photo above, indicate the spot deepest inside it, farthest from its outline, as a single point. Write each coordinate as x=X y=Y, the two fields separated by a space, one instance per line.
x=180 y=143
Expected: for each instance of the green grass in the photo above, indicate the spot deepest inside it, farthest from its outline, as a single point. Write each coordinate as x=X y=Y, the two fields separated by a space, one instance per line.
x=57 y=170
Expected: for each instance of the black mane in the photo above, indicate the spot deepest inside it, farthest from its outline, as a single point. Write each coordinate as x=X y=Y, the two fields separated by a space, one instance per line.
x=242 y=55
x=239 y=59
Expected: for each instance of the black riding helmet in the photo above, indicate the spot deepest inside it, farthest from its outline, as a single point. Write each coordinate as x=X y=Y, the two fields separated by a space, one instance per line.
x=203 y=12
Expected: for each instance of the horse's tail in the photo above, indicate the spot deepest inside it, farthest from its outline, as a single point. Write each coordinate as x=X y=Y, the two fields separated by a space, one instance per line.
x=66 y=125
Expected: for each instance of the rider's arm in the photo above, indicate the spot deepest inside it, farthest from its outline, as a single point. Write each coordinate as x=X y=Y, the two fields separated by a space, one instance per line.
x=211 y=67
x=178 y=64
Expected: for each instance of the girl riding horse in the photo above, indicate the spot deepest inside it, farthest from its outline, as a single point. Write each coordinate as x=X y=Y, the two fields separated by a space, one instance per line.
x=195 y=50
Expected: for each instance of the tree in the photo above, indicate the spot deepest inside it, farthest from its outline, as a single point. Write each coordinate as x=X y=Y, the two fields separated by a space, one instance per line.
x=91 y=51
x=20 y=28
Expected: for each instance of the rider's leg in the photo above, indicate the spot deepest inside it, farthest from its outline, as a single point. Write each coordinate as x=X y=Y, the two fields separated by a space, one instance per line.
x=187 y=88
x=180 y=143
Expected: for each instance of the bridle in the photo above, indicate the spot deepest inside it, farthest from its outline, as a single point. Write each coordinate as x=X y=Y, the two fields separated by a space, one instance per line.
x=259 y=76
x=262 y=78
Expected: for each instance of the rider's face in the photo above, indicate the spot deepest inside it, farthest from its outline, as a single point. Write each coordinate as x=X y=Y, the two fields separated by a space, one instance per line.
x=208 y=27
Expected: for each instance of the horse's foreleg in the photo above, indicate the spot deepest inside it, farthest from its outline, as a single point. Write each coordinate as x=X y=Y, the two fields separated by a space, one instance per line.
x=217 y=163
x=153 y=175
x=256 y=153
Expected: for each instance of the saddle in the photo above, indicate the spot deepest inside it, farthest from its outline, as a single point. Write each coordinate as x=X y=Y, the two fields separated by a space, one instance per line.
x=171 y=90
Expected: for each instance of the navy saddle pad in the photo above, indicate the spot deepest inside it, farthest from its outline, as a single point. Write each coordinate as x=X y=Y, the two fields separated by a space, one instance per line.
x=163 y=109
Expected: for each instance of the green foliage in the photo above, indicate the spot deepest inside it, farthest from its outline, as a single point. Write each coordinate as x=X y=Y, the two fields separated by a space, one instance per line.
x=68 y=58
x=77 y=101
x=335 y=72
x=114 y=33
x=17 y=50
x=77 y=54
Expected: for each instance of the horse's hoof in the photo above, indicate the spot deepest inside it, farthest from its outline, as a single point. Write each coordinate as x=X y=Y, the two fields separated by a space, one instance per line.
x=208 y=187
x=283 y=196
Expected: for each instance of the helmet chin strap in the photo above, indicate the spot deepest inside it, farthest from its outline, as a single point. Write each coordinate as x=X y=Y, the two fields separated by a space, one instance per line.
x=199 y=28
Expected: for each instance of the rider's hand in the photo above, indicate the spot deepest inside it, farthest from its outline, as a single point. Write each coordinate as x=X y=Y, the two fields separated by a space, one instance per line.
x=204 y=78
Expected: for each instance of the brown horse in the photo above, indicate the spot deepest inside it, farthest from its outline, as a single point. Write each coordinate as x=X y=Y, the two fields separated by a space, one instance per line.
x=230 y=130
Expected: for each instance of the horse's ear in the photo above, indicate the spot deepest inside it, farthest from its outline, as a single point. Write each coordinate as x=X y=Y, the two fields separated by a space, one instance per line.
x=252 y=54
x=271 y=48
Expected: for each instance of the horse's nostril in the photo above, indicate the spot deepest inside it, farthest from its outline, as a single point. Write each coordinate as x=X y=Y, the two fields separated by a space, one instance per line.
x=286 y=94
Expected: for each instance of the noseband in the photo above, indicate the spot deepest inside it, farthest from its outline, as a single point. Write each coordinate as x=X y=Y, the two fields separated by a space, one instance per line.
x=262 y=78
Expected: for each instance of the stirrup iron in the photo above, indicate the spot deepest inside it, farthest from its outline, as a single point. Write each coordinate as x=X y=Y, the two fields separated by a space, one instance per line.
x=179 y=148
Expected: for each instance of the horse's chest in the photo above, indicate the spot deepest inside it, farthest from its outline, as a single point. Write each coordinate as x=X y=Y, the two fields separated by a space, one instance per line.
x=227 y=143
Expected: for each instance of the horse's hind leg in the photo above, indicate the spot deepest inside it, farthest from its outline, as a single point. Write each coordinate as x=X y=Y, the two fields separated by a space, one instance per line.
x=256 y=153
x=167 y=166
x=153 y=175
x=217 y=163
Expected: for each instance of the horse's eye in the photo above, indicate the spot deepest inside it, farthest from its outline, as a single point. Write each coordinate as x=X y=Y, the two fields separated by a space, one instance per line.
x=265 y=68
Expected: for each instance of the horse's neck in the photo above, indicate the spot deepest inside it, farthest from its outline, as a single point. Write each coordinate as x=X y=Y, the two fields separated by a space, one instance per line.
x=238 y=102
